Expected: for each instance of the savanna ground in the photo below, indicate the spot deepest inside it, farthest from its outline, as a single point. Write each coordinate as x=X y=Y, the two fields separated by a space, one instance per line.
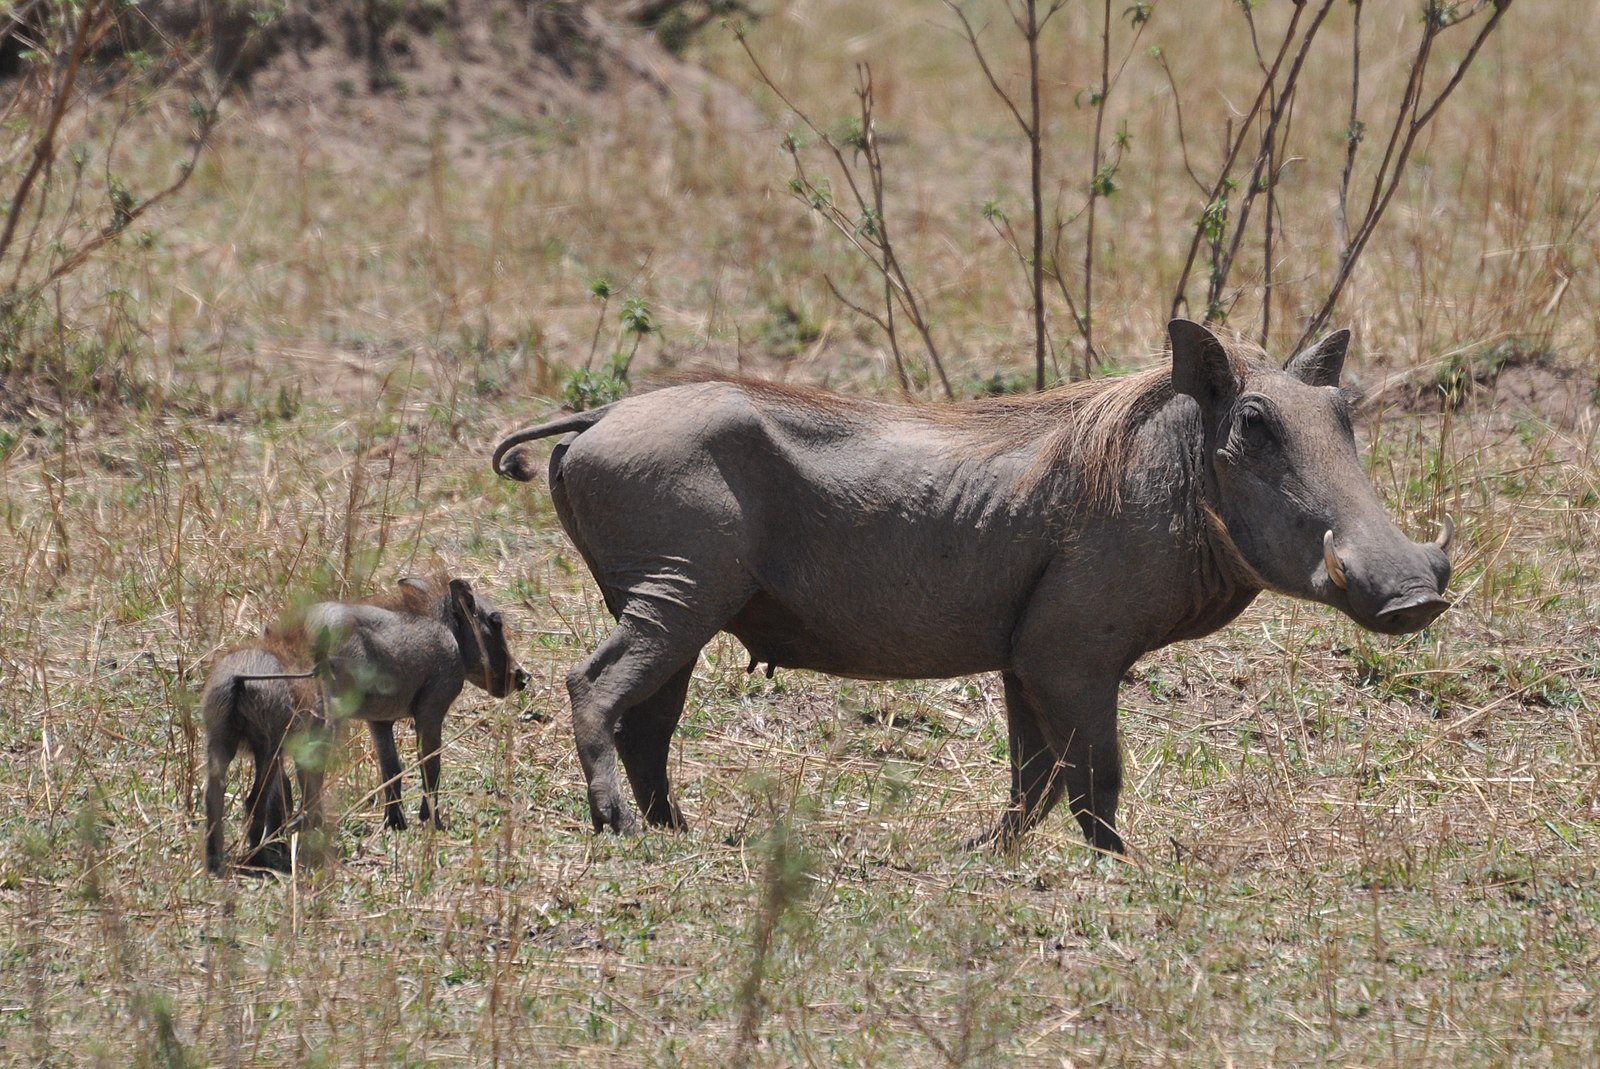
x=1348 y=849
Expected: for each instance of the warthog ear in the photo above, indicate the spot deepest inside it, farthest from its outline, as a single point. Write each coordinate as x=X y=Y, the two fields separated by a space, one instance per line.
x=1200 y=366
x=461 y=597
x=1320 y=365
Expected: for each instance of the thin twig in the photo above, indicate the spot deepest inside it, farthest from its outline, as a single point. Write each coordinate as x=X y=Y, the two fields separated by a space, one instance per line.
x=1177 y=107
x=1234 y=145
x=988 y=72
x=1036 y=191
x=1388 y=181
x=1353 y=131
x=1086 y=322
x=92 y=23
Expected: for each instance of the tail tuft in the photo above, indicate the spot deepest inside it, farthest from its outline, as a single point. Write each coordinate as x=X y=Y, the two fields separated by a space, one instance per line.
x=519 y=464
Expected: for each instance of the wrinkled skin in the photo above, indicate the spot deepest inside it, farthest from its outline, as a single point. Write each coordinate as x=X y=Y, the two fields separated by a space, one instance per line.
x=890 y=542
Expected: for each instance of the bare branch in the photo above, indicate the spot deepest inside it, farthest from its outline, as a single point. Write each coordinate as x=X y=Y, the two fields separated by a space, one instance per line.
x=869 y=233
x=1388 y=180
x=983 y=64
x=93 y=21
x=1036 y=189
x=1096 y=183
x=1235 y=144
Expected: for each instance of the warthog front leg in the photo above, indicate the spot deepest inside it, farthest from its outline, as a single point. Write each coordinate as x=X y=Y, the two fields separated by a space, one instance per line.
x=644 y=741
x=1080 y=719
x=310 y=769
x=1063 y=741
x=389 y=769
x=1037 y=778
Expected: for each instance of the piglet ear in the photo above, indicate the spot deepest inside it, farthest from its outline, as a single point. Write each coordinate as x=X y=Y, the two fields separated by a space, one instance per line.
x=1321 y=364
x=461 y=597
x=1200 y=365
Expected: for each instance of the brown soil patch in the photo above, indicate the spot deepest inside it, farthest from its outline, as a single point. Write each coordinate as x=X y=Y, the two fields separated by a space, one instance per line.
x=460 y=79
x=1513 y=385
x=1561 y=396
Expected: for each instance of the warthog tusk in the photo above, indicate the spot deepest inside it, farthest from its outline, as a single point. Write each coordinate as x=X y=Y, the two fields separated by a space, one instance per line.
x=1331 y=559
x=1446 y=536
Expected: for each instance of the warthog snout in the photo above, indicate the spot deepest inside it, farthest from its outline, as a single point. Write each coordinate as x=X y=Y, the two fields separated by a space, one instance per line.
x=1411 y=613
x=514 y=679
x=1397 y=589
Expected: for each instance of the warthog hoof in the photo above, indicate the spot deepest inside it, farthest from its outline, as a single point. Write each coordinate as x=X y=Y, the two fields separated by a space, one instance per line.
x=268 y=857
x=614 y=814
x=429 y=816
x=1005 y=836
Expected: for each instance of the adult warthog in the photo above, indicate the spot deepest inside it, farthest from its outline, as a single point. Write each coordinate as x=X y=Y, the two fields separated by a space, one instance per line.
x=1053 y=538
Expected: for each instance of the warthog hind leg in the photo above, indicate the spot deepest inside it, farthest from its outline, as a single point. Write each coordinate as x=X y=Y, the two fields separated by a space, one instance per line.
x=644 y=742
x=638 y=659
x=267 y=805
x=221 y=743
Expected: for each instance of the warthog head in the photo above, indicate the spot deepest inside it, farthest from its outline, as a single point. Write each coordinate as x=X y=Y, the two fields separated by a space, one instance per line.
x=480 y=632
x=1288 y=485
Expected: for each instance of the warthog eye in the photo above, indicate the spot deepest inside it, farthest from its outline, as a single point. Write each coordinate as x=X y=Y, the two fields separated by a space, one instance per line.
x=1253 y=426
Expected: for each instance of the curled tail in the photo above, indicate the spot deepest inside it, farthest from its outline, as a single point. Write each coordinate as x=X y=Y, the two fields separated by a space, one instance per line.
x=574 y=422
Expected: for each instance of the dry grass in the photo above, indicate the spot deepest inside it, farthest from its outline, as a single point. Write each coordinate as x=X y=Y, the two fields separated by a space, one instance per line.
x=1350 y=850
